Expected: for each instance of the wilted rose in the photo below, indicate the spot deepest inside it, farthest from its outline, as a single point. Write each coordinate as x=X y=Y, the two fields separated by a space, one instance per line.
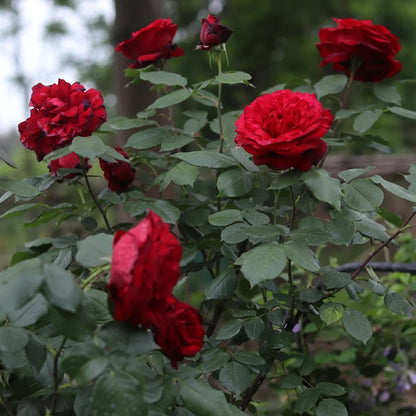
x=284 y=129
x=70 y=161
x=179 y=332
x=152 y=44
x=60 y=112
x=144 y=270
x=360 y=47
x=120 y=175
x=213 y=32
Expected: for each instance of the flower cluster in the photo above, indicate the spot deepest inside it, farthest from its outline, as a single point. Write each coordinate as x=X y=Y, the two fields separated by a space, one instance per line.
x=144 y=270
x=60 y=112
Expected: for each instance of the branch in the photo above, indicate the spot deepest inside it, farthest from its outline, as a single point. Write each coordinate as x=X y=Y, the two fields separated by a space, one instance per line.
x=381 y=267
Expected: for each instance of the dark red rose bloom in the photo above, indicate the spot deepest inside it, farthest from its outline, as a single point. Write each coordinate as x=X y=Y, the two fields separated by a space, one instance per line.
x=151 y=44
x=284 y=130
x=213 y=32
x=179 y=332
x=120 y=175
x=70 y=161
x=60 y=112
x=361 y=46
x=144 y=270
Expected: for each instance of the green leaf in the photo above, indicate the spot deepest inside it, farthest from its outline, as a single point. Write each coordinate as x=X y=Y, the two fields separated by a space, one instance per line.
x=333 y=279
x=235 y=77
x=12 y=339
x=229 y=329
x=366 y=120
x=372 y=229
x=340 y=229
x=394 y=188
x=89 y=147
x=36 y=352
x=248 y=358
x=180 y=174
x=307 y=366
x=256 y=218
x=330 y=84
x=122 y=336
x=306 y=401
x=60 y=289
x=284 y=180
x=331 y=407
x=357 y=325
x=254 y=327
x=96 y=302
x=29 y=313
x=235 y=182
x=77 y=326
x=377 y=288
x=168 y=212
x=225 y=217
x=216 y=362
x=343 y=114
x=331 y=312
x=261 y=263
x=144 y=139
x=291 y=381
x=170 y=99
x=175 y=142
x=113 y=391
x=95 y=250
x=403 y=112
x=19 y=188
x=362 y=195
x=19 y=284
x=311 y=295
x=207 y=159
x=397 y=303
x=124 y=123
x=90 y=370
x=350 y=174
x=235 y=233
x=323 y=187
x=162 y=77
x=199 y=397
x=222 y=286
x=235 y=377
x=387 y=93
x=301 y=255
x=330 y=389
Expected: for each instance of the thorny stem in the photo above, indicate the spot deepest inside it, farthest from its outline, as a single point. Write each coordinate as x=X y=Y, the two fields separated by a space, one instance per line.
x=219 y=115
x=55 y=375
x=3 y=400
x=385 y=244
x=97 y=204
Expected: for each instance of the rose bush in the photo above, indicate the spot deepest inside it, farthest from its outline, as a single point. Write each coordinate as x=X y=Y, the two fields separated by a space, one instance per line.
x=152 y=44
x=190 y=301
x=60 y=112
x=366 y=50
x=284 y=129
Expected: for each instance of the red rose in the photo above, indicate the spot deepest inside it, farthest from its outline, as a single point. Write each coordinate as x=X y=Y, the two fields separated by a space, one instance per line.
x=120 y=175
x=213 y=32
x=179 y=333
x=70 y=161
x=144 y=270
x=60 y=112
x=284 y=130
x=151 y=44
x=361 y=46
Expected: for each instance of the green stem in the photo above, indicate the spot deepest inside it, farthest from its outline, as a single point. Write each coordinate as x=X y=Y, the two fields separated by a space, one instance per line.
x=88 y=280
x=219 y=115
x=6 y=406
x=55 y=375
x=97 y=204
